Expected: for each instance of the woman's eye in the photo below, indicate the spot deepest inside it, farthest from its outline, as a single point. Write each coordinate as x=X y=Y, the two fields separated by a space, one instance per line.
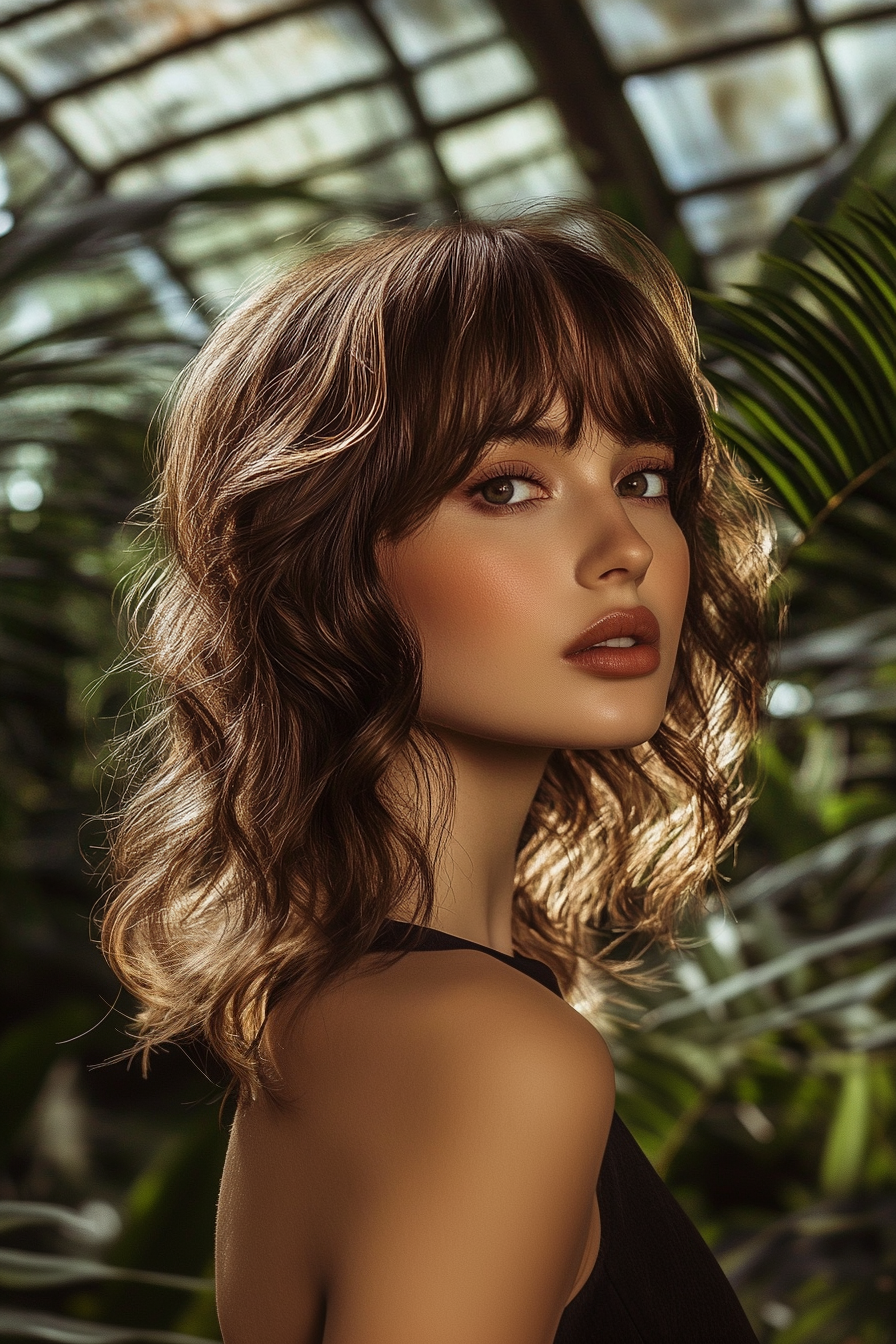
x=643 y=485
x=508 y=490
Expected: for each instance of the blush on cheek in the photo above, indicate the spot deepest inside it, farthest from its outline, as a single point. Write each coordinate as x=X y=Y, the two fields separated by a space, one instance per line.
x=456 y=587
x=667 y=581
x=486 y=596
x=681 y=575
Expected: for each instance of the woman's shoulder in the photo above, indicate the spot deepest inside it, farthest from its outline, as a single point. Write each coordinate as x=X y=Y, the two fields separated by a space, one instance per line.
x=425 y=1001
x=455 y=1010
x=446 y=1100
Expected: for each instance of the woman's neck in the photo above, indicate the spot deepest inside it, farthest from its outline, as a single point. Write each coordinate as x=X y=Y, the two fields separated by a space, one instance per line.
x=495 y=783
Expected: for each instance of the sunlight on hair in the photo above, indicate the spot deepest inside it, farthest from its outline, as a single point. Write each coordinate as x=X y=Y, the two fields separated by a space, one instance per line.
x=260 y=848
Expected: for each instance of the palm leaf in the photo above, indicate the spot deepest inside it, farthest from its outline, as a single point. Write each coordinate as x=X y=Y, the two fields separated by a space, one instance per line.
x=94 y=1223
x=808 y=377
x=781 y=879
x=26 y=1324
x=734 y=986
x=33 y=1269
x=831 y=201
x=829 y=999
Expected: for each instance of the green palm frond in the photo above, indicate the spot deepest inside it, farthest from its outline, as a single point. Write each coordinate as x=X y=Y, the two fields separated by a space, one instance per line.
x=25 y=1324
x=806 y=952
x=32 y=1269
x=807 y=373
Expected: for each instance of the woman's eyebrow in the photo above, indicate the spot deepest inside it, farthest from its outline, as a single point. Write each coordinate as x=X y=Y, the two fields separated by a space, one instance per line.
x=549 y=436
x=542 y=436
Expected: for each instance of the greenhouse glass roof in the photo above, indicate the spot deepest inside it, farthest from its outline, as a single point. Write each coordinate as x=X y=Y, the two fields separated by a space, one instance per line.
x=717 y=116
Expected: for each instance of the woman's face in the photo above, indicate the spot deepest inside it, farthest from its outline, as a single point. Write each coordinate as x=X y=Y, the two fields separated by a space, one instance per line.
x=519 y=577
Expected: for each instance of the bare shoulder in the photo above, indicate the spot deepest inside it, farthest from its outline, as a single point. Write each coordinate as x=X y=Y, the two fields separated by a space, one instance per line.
x=432 y=1155
x=453 y=1014
x=487 y=1020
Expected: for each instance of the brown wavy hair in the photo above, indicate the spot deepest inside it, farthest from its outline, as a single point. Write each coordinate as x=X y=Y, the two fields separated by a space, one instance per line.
x=259 y=848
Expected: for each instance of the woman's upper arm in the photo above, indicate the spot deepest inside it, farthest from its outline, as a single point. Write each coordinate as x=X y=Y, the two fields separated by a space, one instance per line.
x=473 y=1224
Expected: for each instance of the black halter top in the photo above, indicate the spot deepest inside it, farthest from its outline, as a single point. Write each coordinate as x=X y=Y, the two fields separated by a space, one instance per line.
x=655 y=1281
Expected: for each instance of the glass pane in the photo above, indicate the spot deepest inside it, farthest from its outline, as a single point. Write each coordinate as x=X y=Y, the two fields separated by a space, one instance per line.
x=200 y=232
x=225 y=282
x=11 y=101
x=490 y=76
x=556 y=175
x=56 y=50
x=725 y=219
x=6 y=218
x=863 y=58
x=233 y=77
x=422 y=29
x=10 y=7
x=736 y=268
x=219 y=248
x=280 y=149
x=833 y=9
x=404 y=177
x=638 y=31
x=33 y=157
x=735 y=115
x=495 y=142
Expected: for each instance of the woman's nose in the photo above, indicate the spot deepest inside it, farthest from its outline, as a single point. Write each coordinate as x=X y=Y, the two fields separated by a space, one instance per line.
x=616 y=550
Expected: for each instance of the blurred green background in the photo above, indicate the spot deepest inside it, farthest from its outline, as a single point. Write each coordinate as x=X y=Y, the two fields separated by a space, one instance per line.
x=158 y=158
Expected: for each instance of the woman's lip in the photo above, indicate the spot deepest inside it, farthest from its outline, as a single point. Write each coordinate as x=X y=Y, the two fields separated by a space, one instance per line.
x=637 y=661
x=638 y=623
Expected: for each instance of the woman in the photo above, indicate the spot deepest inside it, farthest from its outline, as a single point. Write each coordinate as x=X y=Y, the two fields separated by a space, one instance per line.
x=459 y=647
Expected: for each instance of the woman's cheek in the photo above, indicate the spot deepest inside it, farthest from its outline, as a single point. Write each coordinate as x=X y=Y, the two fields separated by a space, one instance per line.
x=680 y=572
x=467 y=610
x=668 y=578
x=472 y=589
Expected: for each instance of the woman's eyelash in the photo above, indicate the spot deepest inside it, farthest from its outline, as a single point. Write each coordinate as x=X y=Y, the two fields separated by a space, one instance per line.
x=511 y=471
x=507 y=472
x=666 y=469
x=666 y=472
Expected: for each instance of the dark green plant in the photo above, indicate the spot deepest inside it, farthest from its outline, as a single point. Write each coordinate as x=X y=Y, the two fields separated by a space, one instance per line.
x=27 y=1270
x=94 y=325
x=761 y=1079
x=816 y=414
x=761 y=1085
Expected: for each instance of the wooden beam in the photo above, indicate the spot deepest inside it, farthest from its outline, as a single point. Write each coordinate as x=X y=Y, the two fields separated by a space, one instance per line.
x=576 y=73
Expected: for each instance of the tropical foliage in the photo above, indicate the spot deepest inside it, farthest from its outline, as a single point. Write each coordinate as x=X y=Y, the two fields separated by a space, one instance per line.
x=759 y=1080
x=94 y=325
x=818 y=414
x=88 y=349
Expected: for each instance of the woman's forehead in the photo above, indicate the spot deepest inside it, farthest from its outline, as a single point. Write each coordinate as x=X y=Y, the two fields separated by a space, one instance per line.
x=553 y=431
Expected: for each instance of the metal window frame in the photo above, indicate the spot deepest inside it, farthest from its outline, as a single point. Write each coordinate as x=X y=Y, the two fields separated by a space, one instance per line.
x=575 y=71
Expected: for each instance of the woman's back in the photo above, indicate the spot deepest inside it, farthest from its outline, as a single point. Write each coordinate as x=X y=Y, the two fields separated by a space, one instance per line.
x=372 y=1208
x=428 y=1174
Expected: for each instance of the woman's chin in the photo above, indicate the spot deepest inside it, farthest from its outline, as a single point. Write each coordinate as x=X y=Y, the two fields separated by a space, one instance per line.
x=612 y=738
